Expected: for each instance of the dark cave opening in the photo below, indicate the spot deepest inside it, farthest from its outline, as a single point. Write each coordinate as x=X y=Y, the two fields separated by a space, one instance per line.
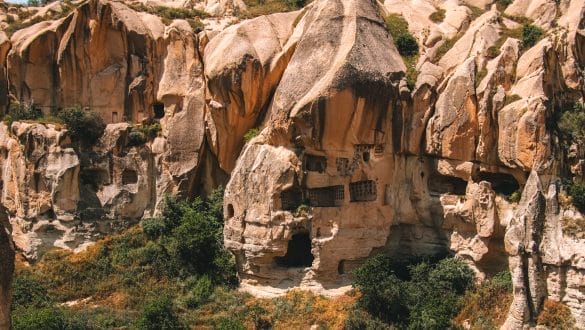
x=159 y=110
x=298 y=252
x=502 y=183
x=444 y=184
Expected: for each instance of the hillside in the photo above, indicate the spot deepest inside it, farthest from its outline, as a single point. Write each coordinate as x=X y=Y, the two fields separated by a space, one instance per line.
x=340 y=129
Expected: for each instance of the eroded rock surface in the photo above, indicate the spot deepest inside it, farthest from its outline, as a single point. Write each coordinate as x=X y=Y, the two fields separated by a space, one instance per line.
x=354 y=155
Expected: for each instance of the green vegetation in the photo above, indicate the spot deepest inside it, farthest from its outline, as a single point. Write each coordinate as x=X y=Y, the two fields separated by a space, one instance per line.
x=265 y=7
x=438 y=16
x=140 y=134
x=167 y=14
x=572 y=123
x=512 y=98
x=531 y=34
x=159 y=314
x=503 y=4
x=480 y=75
x=421 y=296
x=22 y=111
x=25 y=20
x=85 y=126
x=515 y=196
x=486 y=305
x=445 y=47
x=398 y=29
x=475 y=12
x=250 y=134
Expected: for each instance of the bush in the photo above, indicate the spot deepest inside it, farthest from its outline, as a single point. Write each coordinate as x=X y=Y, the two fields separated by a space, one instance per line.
x=229 y=323
x=159 y=314
x=503 y=4
x=486 y=306
x=266 y=7
x=572 y=123
x=33 y=318
x=22 y=111
x=424 y=295
x=574 y=227
x=250 y=134
x=200 y=293
x=85 y=126
x=398 y=29
x=140 y=134
x=153 y=228
x=27 y=291
x=531 y=34
x=577 y=193
x=515 y=196
x=556 y=315
x=438 y=16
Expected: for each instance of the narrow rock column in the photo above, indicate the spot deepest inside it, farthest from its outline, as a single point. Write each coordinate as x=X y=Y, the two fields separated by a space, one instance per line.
x=522 y=240
x=6 y=271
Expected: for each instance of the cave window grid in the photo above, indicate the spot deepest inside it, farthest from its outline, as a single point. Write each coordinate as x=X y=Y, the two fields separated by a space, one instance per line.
x=298 y=252
x=291 y=199
x=363 y=191
x=315 y=163
x=343 y=166
x=331 y=196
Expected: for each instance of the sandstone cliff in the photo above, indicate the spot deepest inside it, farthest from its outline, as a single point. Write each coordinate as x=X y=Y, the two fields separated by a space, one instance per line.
x=355 y=155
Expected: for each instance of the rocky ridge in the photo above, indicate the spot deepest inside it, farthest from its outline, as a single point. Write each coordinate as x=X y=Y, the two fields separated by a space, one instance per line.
x=351 y=158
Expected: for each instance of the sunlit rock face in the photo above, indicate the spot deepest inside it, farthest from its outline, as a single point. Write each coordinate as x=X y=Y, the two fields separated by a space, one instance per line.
x=357 y=153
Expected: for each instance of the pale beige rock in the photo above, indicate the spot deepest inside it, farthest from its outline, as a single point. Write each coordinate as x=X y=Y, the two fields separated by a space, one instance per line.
x=543 y=12
x=452 y=132
x=243 y=64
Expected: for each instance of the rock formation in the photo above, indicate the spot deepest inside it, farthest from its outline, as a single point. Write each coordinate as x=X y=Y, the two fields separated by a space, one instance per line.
x=355 y=155
x=6 y=270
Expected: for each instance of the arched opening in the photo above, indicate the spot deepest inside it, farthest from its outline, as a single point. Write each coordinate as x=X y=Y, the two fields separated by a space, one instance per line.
x=341 y=267
x=502 y=183
x=230 y=211
x=159 y=110
x=298 y=252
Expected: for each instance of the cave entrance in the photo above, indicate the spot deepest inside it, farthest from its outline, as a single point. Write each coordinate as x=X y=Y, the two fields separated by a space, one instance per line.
x=502 y=183
x=298 y=253
x=159 y=110
x=444 y=184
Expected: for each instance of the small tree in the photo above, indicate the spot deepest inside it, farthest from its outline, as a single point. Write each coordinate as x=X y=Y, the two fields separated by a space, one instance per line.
x=159 y=314
x=85 y=126
x=531 y=34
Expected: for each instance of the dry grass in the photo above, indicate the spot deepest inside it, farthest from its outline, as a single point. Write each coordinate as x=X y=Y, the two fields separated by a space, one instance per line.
x=486 y=306
x=574 y=227
x=556 y=315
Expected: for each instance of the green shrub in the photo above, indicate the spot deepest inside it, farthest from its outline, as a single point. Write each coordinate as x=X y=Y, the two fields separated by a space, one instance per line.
x=503 y=4
x=159 y=314
x=229 y=323
x=153 y=228
x=515 y=196
x=28 y=291
x=250 y=134
x=398 y=29
x=438 y=16
x=22 y=111
x=577 y=193
x=531 y=34
x=33 y=318
x=445 y=47
x=572 y=122
x=421 y=296
x=140 y=134
x=358 y=320
x=200 y=293
x=85 y=126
